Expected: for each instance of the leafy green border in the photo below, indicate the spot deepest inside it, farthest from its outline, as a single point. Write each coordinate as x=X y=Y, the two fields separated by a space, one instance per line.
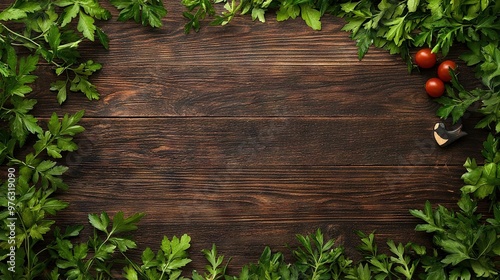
x=466 y=244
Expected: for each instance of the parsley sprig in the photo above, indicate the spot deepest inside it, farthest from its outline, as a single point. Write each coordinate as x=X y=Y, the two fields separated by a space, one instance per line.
x=467 y=245
x=147 y=12
x=49 y=31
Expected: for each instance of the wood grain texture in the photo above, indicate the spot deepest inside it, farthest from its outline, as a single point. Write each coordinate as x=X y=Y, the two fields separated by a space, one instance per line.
x=247 y=69
x=263 y=142
x=248 y=134
x=259 y=197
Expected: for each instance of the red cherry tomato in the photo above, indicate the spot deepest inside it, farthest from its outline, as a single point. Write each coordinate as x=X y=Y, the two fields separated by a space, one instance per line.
x=425 y=58
x=434 y=87
x=444 y=70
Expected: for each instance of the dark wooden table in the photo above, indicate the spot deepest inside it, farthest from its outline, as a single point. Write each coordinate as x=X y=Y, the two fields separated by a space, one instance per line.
x=248 y=134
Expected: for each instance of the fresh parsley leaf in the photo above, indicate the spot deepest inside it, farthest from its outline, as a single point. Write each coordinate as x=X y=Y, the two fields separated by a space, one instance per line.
x=60 y=86
x=311 y=16
x=203 y=9
x=121 y=224
x=490 y=68
x=258 y=13
x=215 y=269
x=147 y=12
x=413 y=5
x=12 y=14
x=287 y=10
x=457 y=100
x=103 y=37
x=100 y=222
x=86 y=26
x=70 y=12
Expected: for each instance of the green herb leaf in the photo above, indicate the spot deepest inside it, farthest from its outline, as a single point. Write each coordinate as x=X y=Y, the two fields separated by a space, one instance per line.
x=311 y=16
x=149 y=12
x=70 y=12
x=120 y=224
x=12 y=14
x=86 y=26
x=100 y=222
x=413 y=5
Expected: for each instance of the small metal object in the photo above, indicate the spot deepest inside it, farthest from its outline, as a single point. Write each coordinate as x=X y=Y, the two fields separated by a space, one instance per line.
x=445 y=137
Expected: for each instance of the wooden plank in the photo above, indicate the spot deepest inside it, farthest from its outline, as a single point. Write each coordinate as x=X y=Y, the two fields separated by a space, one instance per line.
x=246 y=69
x=259 y=142
x=243 y=210
x=250 y=91
x=225 y=91
x=256 y=195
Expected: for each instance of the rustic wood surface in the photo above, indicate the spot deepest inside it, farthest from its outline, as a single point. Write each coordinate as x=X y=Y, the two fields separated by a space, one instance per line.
x=248 y=134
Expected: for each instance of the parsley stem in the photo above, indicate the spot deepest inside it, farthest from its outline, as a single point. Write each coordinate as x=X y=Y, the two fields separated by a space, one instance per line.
x=133 y=264
x=29 y=40
x=96 y=250
x=20 y=35
x=26 y=246
x=162 y=273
